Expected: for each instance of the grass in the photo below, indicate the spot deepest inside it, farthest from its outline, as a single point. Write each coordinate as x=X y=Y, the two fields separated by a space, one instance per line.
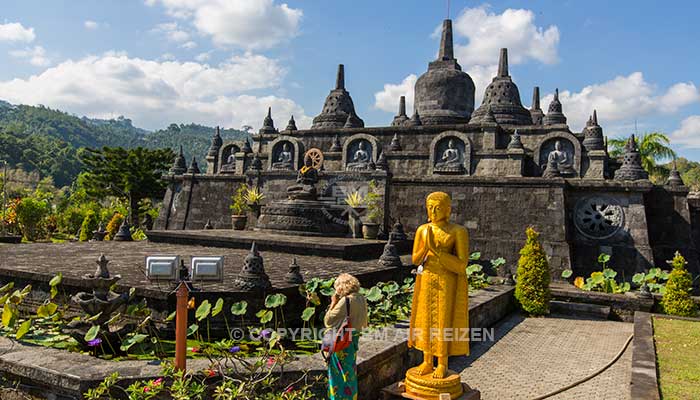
x=677 y=358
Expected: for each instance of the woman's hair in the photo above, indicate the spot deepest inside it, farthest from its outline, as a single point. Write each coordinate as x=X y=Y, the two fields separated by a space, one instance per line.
x=441 y=197
x=346 y=284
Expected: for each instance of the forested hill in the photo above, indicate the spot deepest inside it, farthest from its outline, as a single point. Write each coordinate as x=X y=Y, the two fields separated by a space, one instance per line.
x=47 y=141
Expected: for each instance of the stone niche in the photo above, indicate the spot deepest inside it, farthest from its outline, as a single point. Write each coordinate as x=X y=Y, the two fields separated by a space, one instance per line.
x=226 y=161
x=360 y=152
x=450 y=153
x=281 y=161
x=569 y=145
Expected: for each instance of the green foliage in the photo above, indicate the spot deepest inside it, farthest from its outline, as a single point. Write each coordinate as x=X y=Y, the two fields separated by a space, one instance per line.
x=676 y=299
x=389 y=302
x=239 y=307
x=655 y=279
x=653 y=147
x=690 y=172
x=88 y=226
x=603 y=281
x=375 y=207
x=203 y=310
x=532 y=286
x=118 y=172
x=30 y=213
x=475 y=272
x=239 y=206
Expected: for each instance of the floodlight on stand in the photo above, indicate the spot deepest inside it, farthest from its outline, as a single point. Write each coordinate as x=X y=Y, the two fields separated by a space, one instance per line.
x=207 y=268
x=162 y=268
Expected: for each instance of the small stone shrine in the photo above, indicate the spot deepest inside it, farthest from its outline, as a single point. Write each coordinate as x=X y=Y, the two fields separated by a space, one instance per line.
x=505 y=166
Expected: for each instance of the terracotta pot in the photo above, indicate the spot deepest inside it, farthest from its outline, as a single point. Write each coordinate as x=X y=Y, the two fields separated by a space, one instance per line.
x=239 y=222
x=370 y=230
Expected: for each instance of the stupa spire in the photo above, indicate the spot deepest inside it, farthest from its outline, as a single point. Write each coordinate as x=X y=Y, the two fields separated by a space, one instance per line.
x=595 y=117
x=402 y=105
x=503 y=63
x=536 y=98
x=340 y=78
x=446 y=46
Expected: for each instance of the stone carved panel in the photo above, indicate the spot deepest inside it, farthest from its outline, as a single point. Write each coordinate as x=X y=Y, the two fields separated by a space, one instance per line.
x=450 y=153
x=228 y=158
x=598 y=217
x=569 y=145
x=285 y=152
x=360 y=153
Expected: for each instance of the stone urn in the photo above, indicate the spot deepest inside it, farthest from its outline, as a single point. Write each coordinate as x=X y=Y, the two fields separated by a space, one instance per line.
x=239 y=222
x=370 y=230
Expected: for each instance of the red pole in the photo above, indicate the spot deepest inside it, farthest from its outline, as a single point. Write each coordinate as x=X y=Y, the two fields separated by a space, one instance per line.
x=183 y=294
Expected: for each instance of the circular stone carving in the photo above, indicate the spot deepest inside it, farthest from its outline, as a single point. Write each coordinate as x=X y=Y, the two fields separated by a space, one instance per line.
x=598 y=217
x=316 y=157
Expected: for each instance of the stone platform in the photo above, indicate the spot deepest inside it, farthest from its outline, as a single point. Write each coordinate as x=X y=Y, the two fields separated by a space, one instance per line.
x=37 y=263
x=337 y=247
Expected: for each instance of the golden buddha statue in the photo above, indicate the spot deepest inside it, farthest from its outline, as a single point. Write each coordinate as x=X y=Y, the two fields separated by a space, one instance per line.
x=440 y=311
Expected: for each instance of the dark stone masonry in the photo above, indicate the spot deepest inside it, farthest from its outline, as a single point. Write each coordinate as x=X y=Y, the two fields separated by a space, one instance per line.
x=506 y=167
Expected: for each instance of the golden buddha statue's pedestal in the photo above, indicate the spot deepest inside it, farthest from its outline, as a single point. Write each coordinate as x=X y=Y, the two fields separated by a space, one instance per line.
x=425 y=387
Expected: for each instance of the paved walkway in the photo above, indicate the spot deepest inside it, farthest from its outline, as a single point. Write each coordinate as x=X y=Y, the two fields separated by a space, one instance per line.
x=535 y=356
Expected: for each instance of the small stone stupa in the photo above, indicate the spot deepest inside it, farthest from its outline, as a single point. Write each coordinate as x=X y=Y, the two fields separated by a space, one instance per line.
x=180 y=165
x=401 y=117
x=631 y=169
x=338 y=107
x=593 y=134
x=253 y=276
x=555 y=116
x=268 y=124
x=502 y=98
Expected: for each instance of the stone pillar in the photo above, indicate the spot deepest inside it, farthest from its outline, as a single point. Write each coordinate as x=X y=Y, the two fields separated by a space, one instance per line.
x=596 y=165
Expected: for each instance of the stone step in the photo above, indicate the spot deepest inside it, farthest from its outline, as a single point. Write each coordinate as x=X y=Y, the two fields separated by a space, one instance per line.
x=570 y=308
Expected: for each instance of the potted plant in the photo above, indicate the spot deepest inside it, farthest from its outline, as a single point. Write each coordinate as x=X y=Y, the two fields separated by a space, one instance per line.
x=356 y=203
x=253 y=197
x=375 y=212
x=239 y=208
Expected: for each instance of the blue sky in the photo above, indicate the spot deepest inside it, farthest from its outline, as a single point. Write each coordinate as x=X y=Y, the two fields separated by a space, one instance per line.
x=222 y=62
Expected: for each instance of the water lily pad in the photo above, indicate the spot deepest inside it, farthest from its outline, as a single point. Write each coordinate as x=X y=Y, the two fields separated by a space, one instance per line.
x=203 y=310
x=239 y=308
x=217 y=307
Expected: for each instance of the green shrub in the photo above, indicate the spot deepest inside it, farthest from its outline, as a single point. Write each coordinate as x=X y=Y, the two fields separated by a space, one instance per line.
x=676 y=299
x=532 y=287
x=88 y=226
x=30 y=213
x=239 y=206
x=113 y=225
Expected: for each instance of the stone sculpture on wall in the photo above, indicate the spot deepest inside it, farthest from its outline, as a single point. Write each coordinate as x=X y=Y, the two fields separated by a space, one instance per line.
x=229 y=164
x=560 y=160
x=285 y=158
x=451 y=159
x=360 y=155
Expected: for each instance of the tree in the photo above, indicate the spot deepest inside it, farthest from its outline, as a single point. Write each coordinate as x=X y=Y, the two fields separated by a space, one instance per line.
x=133 y=174
x=653 y=147
x=30 y=212
x=532 y=286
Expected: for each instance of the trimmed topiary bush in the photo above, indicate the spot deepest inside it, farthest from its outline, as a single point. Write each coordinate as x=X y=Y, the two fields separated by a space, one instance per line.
x=88 y=226
x=676 y=299
x=113 y=225
x=532 y=287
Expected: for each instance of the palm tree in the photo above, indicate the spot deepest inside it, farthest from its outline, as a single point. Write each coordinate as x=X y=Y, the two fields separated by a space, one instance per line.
x=653 y=147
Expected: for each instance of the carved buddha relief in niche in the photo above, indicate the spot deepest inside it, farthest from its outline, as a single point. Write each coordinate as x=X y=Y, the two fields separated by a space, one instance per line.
x=359 y=155
x=449 y=156
x=557 y=158
x=283 y=156
x=228 y=158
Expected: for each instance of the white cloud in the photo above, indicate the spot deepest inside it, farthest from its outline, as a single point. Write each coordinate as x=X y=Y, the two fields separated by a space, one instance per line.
x=189 y=45
x=35 y=55
x=202 y=57
x=388 y=99
x=15 y=32
x=622 y=98
x=156 y=93
x=488 y=32
x=172 y=32
x=250 y=24
x=688 y=135
x=91 y=25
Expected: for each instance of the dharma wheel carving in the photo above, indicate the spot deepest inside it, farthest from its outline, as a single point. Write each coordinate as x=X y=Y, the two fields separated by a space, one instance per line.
x=316 y=157
x=598 y=217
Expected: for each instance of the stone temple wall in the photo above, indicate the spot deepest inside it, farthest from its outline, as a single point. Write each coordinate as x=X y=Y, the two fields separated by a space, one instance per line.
x=495 y=212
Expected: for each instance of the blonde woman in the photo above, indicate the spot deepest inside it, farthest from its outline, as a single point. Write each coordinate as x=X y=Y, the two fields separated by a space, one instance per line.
x=342 y=366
